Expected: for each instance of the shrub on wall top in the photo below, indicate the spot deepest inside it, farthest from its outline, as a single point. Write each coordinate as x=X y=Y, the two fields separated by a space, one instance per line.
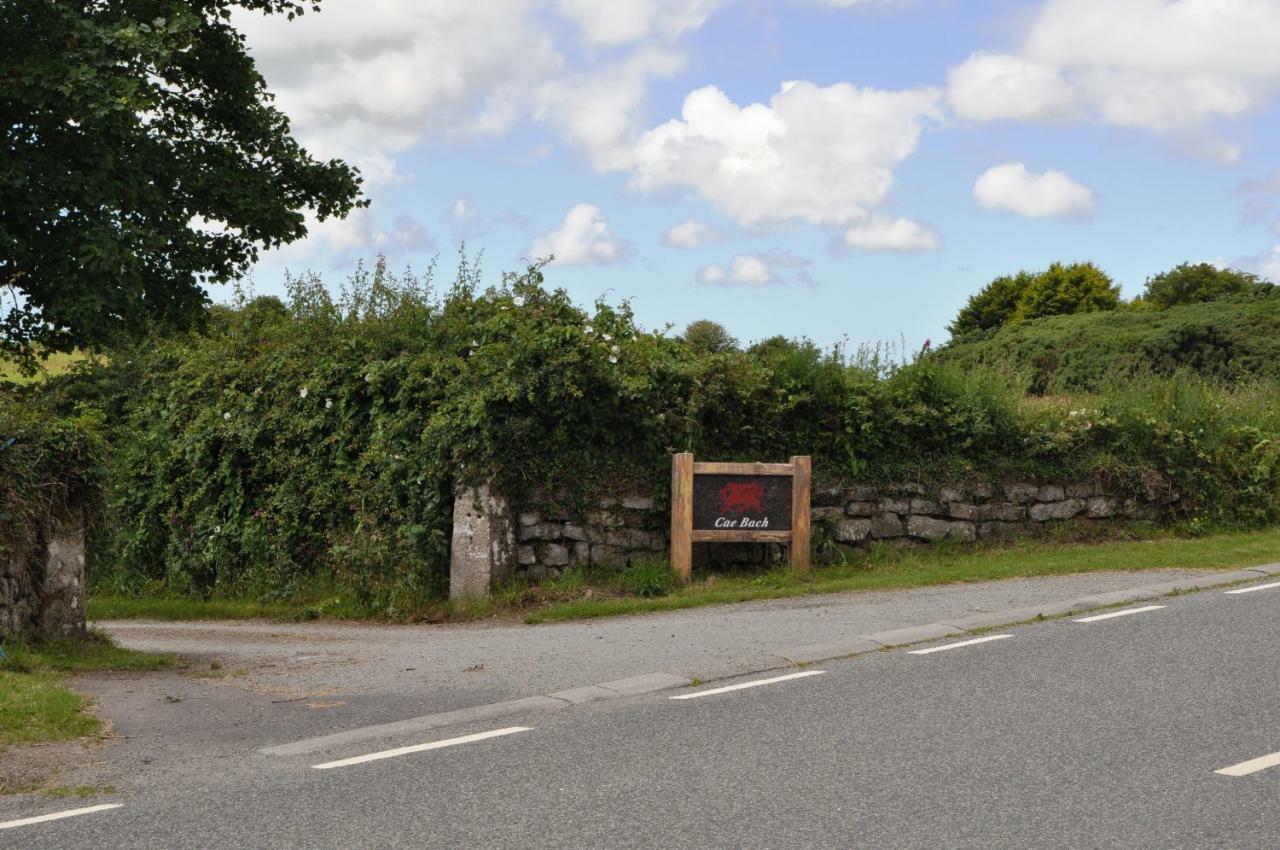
x=48 y=463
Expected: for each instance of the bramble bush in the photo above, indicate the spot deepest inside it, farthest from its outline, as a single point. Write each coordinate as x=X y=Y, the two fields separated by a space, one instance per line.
x=321 y=438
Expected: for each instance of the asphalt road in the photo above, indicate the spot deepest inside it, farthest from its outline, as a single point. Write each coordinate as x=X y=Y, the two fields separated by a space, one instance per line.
x=1065 y=734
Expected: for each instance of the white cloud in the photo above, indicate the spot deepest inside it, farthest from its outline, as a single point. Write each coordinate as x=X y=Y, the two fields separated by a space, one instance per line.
x=1268 y=185
x=343 y=239
x=712 y=274
x=891 y=234
x=1170 y=66
x=623 y=21
x=750 y=270
x=1260 y=199
x=691 y=234
x=819 y=155
x=1048 y=194
x=757 y=270
x=463 y=210
x=365 y=79
x=599 y=111
x=987 y=87
x=744 y=270
x=1266 y=265
x=464 y=218
x=583 y=239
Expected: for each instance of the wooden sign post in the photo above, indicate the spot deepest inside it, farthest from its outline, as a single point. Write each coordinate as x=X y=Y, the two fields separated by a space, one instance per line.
x=739 y=502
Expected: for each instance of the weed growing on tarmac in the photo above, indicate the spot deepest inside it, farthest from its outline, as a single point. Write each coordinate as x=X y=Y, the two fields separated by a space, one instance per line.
x=65 y=792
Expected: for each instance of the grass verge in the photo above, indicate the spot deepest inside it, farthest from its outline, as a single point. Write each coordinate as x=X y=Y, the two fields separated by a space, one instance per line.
x=35 y=704
x=884 y=568
x=584 y=593
x=105 y=607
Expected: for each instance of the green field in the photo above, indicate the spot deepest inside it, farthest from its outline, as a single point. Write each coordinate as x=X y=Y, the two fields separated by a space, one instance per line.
x=55 y=365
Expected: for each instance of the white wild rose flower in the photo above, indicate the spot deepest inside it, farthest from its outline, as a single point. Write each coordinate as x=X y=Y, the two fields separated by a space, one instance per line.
x=588 y=330
x=606 y=337
x=518 y=300
x=302 y=393
x=328 y=404
x=226 y=416
x=613 y=359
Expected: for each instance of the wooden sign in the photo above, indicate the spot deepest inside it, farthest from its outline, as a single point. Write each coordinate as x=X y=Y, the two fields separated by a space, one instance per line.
x=739 y=502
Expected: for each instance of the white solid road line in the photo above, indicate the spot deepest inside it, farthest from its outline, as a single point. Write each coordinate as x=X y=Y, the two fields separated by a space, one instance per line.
x=418 y=748
x=70 y=813
x=932 y=649
x=757 y=683
x=1244 y=768
x=1255 y=587
x=1123 y=613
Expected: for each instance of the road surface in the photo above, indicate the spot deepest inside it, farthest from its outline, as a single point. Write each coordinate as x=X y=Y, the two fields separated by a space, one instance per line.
x=1152 y=725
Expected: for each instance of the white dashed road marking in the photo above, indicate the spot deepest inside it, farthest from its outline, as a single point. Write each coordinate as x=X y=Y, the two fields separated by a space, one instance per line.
x=70 y=813
x=418 y=748
x=1095 y=618
x=1255 y=587
x=1244 y=768
x=933 y=649
x=757 y=683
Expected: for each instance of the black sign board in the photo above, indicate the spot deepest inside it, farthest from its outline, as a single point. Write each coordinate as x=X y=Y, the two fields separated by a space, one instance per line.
x=742 y=502
x=734 y=502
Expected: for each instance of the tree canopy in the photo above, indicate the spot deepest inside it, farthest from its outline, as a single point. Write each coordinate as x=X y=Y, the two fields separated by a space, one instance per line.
x=1191 y=284
x=991 y=306
x=708 y=337
x=1062 y=290
x=141 y=158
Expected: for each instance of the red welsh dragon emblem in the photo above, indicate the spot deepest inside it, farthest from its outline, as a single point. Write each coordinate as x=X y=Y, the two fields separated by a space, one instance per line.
x=742 y=497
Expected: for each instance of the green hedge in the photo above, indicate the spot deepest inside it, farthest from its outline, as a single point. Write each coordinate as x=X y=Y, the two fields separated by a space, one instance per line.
x=325 y=437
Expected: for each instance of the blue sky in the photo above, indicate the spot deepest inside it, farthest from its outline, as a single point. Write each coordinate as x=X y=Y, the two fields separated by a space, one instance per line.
x=840 y=167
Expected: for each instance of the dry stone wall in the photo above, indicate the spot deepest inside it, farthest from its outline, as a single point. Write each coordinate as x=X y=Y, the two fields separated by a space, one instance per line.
x=618 y=530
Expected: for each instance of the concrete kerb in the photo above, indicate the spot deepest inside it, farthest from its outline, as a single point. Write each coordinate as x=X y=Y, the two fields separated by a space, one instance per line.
x=809 y=654
x=589 y=693
x=617 y=689
x=813 y=653
x=646 y=684
x=416 y=724
x=912 y=634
